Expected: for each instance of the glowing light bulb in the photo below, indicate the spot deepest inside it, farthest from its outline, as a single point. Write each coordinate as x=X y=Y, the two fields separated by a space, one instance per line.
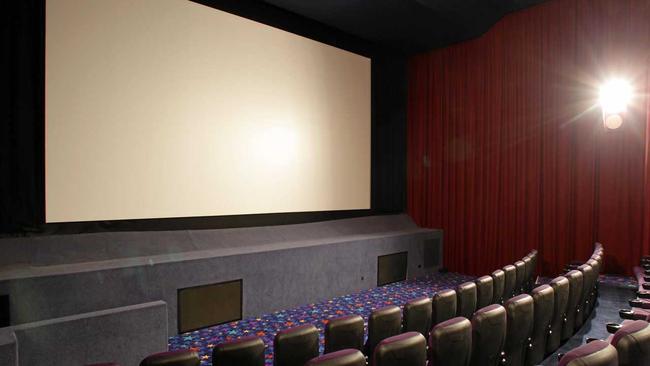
x=614 y=98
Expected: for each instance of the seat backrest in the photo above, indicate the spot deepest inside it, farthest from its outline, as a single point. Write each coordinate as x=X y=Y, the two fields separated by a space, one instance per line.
x=528 y=269
x=596 y=353
x=498 y=281
x=247 y=351
x=172 y=358
x=543 y=301
x=417 y=316
x=382 y=323
x=405 y=349
x=295 y=346
x=450 y=343
x=632 y=342
x=588 y=280
x=443 y=306
x=520 y=318
x=575 y=294
x=533 y=260
x=345 y=357
x=520 y=278
x=484 y=291
x=510 y=281
x=488 y=335
x=344 y=332
x=466 y=299
x=560 y=287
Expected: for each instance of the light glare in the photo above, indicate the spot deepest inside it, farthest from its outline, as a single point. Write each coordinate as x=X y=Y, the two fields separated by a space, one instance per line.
x=615 y=96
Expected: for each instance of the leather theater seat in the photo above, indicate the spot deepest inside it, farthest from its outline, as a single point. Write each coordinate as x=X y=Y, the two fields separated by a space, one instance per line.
x=344 y=332
x=295 y=346
x=450 y=343
x=247 y=351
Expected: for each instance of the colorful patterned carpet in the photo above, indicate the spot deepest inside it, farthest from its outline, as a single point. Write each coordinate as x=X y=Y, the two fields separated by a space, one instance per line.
x=361 y=303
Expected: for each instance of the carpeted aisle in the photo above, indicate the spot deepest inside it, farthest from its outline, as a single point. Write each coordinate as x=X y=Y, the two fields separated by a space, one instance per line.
x=361 y=303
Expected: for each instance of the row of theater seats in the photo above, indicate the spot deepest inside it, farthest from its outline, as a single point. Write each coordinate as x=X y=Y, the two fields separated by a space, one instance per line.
x=510 y=327
x=629 y=344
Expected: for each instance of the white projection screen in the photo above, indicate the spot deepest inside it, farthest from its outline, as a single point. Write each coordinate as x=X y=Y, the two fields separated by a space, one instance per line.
x=168 y=108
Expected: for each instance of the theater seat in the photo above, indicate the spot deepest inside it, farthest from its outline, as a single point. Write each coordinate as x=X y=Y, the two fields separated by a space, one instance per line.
x=582 y=309
x=575 y=293
x=382 y=323
x=295 y=346
x=509 y=282
x=344 y=332
x=639 y=303
x=443 y=306
x=632 y=342
x=528 y=270
x=520 y=276
x=417 y=316
x=405 y=349
x=450 y=343
x=596 y=353
x=484 y=291
x=520 y=319
x=488 y=335
x=560 y=287
x=498 y=282
x=172 y=358
x=345 y=357
x=543 y=301
x=533 y=259
x=247 y=351
x=466 y=293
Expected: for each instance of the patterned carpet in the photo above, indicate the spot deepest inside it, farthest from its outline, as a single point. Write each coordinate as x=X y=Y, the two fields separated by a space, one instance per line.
x=361 y=303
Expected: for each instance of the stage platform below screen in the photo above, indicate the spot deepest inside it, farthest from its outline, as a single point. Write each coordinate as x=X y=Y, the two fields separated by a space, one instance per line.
x=280 y=267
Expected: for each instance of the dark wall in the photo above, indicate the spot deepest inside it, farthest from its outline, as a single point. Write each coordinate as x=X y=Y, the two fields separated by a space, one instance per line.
x=22 y=161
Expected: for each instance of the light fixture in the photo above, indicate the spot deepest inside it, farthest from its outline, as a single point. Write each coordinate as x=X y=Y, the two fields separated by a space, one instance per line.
x=614 y=98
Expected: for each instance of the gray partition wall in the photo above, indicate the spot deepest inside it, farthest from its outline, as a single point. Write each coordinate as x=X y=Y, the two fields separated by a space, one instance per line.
x=124 y=335
x=280 y=267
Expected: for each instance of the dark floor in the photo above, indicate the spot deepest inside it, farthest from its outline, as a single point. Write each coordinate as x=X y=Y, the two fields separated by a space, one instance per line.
x=611 y=298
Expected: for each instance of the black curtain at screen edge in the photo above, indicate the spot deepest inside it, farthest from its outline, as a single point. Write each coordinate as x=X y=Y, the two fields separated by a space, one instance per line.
x=22 y=130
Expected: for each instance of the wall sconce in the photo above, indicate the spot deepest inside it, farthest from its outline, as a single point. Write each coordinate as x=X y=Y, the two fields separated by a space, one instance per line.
x=614 y=98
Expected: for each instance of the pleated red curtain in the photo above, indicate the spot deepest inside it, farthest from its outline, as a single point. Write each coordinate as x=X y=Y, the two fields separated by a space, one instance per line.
x=506 y=147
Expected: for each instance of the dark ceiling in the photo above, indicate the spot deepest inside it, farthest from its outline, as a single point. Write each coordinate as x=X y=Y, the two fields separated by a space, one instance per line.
x=407 y=25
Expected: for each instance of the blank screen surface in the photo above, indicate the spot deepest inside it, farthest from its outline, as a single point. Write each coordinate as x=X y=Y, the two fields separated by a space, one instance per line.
x=168 y=108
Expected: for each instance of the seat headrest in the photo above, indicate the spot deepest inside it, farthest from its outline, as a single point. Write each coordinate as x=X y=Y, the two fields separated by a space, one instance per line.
x=385 y=311
x=345 y=357
x=345 y=320
x=633 y=328
x=246 y=350
x=172 y=358
x=597 y=353
x=420 y=301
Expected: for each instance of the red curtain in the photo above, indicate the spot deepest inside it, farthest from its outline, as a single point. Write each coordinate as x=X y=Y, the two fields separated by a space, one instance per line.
x=506 y=147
